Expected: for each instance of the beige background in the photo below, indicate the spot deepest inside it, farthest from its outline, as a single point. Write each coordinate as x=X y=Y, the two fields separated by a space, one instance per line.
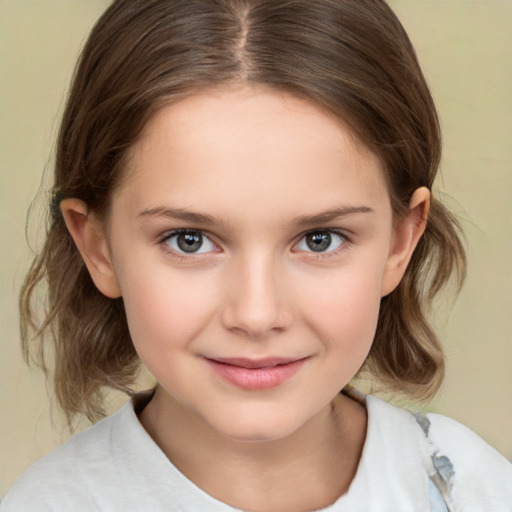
x=466 y=50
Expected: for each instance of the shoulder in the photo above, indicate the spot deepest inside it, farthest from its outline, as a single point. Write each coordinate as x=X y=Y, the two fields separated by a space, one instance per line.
x=63 y=479
x=400 y=452
x=114 y=465
x=482 y=477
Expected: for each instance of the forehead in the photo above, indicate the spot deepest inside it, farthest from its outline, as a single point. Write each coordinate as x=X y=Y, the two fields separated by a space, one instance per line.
x=245 y=142
x=250 y=111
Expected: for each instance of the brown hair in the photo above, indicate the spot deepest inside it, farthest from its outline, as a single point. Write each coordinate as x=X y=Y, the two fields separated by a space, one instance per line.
x=351 y=57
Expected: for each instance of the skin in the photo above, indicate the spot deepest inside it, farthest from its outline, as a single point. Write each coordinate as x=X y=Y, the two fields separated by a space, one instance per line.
x=260 y=168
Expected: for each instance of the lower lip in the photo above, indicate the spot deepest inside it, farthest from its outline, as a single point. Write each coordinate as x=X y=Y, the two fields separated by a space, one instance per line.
x=256 y=378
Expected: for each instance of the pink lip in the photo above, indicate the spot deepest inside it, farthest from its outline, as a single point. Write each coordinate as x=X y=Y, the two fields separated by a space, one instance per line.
x=256 y=374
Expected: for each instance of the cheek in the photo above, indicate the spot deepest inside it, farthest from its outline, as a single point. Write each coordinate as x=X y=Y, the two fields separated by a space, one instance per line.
x=166 y=308
x=344 y=310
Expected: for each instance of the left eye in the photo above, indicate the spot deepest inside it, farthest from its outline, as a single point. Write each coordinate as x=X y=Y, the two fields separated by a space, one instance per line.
x=321 y=241
x=189 y=241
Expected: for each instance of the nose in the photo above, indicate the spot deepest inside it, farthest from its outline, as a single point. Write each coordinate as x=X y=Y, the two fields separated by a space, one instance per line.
x=256 y=304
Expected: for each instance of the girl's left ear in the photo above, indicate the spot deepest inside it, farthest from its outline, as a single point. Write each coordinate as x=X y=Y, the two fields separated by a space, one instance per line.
x=407 y=233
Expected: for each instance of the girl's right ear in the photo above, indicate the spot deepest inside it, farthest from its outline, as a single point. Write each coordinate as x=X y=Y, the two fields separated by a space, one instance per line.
x=88 y=233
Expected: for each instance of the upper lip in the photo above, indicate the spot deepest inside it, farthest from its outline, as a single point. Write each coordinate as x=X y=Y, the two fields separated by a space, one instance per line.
x=266 y=362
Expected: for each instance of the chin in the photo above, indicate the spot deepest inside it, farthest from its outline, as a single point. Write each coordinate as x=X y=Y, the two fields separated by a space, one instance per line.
x=264 y=428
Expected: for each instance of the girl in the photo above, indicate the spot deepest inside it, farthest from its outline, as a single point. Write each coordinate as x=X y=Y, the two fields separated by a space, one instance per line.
x=242 y=202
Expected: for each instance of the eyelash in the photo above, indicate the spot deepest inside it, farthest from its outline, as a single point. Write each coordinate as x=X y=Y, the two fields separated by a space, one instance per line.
x=345 y=242
x=164 y=239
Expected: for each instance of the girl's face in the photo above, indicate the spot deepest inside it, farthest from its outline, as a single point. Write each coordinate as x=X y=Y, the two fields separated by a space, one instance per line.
x=251 y=242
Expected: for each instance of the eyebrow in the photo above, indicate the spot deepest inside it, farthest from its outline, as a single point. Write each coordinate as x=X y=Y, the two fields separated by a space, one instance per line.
x=330 y=215
x=202 y=218
x=180 y=214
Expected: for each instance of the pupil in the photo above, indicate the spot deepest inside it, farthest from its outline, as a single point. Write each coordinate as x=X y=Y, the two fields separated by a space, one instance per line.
x=319 y=241
x=190 y=242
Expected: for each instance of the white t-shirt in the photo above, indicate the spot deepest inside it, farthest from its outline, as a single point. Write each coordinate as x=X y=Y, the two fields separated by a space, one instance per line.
x=116 y=466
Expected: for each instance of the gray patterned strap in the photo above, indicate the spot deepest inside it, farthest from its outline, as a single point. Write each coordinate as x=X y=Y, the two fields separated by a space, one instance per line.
x=440 y=471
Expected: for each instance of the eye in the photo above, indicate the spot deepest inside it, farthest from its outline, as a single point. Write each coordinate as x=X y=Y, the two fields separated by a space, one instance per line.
x=189 y=242
x=321 y=241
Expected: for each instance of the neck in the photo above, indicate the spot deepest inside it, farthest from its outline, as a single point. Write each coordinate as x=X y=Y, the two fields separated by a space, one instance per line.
x=307 y=470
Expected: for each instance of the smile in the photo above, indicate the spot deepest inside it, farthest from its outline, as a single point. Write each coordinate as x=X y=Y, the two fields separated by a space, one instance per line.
x=255 y=374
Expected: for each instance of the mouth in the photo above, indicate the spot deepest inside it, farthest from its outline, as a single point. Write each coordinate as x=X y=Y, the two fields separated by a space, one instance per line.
x=256 y=374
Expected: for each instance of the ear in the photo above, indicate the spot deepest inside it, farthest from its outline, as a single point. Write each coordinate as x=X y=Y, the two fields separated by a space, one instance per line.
x=88 y=233
x=407 y=233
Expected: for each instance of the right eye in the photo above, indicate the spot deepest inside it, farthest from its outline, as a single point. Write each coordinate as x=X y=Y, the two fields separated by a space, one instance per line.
x=189 y=241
